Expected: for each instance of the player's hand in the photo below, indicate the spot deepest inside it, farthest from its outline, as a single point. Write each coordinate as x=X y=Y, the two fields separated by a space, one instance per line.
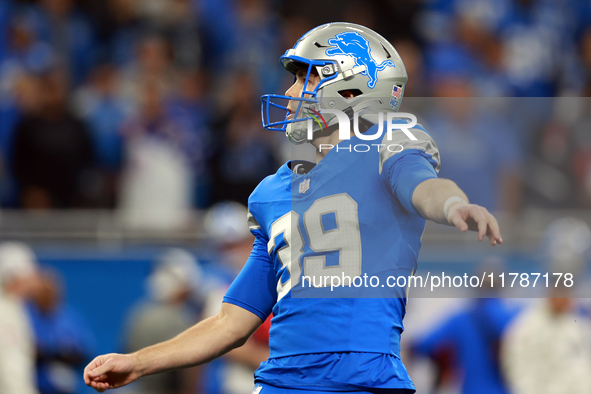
x=475 y=218
x=110 y=371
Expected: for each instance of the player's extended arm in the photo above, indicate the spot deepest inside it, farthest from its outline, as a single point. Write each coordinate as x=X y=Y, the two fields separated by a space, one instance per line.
x=429 y=198
x=205 y=341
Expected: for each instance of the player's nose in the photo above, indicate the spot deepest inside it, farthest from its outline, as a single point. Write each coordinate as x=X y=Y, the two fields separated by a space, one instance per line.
x=290 y=92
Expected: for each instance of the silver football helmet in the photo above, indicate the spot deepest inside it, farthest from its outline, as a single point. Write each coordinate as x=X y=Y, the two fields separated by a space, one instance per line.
x=347 y=57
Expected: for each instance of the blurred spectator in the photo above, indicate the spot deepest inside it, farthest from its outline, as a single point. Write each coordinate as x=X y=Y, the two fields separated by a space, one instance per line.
x=582 y=158
x=23 y=98
x=219 y=29
x=70 y=35
x=550 y=176
x=176 y=20
x=25 y=54
x=152 y=64
x=244 y=153
x=466 y=345
x=191 y=105
x=478 y=144
x=585 y=53
x=559 y=165
x=257 y=42
x=5 y=8
x=18 y=278
x=538 y=40
x=548 y=348
x=241 y=36
x=415 y=67
x=173 y=304
x=528 y=44
x=104 y=112
x=53 y=156
x=566 y=243
x=164 y=160
x=63 y=340
x=226 y=225
x=121 y=28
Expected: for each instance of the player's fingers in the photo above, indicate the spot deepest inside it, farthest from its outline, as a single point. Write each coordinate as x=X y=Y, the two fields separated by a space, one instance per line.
x=86 y=377
x=480 y=219
x=99 y=386
x=456 y=220
x=491 y=240
x=91 y=366
x=100 y=378
x=100 y=370
x=494 y=232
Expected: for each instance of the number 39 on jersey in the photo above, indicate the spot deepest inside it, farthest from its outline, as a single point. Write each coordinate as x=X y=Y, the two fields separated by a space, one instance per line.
x=341 y=236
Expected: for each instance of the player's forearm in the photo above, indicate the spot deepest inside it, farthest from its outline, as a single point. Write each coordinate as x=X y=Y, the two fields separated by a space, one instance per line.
x=430 y=196
x=199 y=344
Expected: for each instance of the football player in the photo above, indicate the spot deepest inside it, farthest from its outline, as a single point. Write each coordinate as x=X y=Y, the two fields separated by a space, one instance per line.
x=355 y=212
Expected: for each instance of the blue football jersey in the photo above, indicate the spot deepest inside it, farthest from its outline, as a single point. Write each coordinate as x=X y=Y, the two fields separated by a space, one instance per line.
x=349 y=216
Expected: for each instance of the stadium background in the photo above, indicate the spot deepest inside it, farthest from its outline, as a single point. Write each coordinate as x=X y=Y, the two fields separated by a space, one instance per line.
x=153 y=106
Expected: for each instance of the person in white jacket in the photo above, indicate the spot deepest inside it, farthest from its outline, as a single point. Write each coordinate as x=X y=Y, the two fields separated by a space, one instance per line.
x=18 y=278
x=547 y=349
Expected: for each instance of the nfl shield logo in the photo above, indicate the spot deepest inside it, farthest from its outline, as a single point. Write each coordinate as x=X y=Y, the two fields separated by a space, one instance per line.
x=304 y=186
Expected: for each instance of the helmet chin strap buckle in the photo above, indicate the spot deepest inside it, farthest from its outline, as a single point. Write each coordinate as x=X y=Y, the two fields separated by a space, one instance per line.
x=348 y=74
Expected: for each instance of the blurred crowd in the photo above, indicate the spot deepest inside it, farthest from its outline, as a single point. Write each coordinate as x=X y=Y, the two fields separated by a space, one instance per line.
x=45 y=343
x=153 y=105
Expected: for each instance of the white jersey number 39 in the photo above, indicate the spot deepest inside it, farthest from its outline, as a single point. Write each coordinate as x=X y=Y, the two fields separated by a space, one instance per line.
x=344 y=238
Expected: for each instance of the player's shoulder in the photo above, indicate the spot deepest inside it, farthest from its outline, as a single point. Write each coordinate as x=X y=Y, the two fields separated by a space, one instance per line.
x=402 y=141
x=273 y=187
x=270 y=198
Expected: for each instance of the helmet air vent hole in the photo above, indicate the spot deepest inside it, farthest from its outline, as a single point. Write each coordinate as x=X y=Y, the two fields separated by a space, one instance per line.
x=319 y=45
x=385 y=50
x=348 y=93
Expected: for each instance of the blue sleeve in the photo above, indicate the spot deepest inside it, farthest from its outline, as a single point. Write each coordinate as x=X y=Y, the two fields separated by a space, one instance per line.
x=255 y=287
x=405 y=171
